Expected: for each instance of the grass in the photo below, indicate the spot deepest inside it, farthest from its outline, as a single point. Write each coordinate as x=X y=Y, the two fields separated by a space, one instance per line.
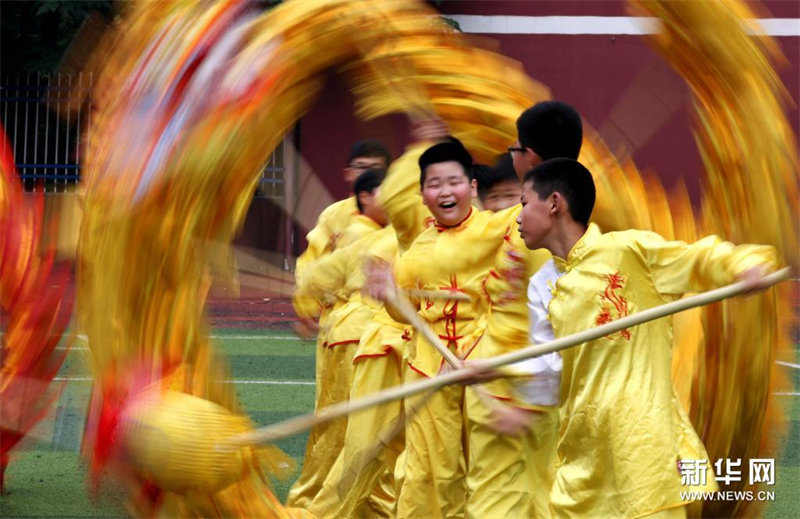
x=275 y=374
x=47 y=476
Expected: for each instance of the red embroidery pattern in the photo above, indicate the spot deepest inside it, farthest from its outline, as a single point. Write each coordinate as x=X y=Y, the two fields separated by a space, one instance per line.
x=613 y=303
x=450 y=313
x=515 y=276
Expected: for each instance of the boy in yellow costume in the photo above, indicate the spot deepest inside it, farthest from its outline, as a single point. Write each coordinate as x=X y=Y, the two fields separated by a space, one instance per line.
x=342 y=273
x=322 y=240
x=622 y=432
x=331 y=223
x=358 y=486
x=510 y=475
x=498 y=186
x=453 y=255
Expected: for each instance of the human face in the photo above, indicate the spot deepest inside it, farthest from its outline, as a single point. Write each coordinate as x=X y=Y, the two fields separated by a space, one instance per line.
x=534 y=219
x=524 y=159
x=503 y=195
x=359 y=165
x=447 y=192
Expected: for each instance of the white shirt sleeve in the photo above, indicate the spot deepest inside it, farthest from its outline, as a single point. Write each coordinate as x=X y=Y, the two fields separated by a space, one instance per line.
x=543 y=385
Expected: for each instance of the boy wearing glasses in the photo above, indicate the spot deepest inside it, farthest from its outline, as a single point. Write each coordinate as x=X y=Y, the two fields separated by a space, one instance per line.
x=510 y=475
x=503 y=474
x=322 y=240
x=453 y=254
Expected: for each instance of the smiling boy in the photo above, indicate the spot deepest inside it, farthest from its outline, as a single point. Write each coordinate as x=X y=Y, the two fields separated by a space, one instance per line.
x=454 y=254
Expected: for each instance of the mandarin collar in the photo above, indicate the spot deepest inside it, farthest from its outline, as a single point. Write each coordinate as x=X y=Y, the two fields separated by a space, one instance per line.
x=580 y=248
x=366 y=220
x=457 y=227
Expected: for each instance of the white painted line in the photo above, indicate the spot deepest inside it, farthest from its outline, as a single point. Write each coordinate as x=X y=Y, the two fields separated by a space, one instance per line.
x=232 y=337
x=576 y=25
x=261 y=337
x=279 y=383
x=788 y=364
x=273 y=382
x=232 y=381
x=243 y=337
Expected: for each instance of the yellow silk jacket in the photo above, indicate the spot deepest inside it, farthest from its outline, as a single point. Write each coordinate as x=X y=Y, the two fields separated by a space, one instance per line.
x=322 y=239
x=622 y=430
x=341 y=274
x=454 y=259
x=506 y=287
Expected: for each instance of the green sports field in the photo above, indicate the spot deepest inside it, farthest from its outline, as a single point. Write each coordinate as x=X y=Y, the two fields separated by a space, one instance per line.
x=274 y=376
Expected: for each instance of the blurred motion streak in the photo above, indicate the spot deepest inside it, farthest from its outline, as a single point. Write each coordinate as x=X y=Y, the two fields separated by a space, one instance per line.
x=192 y=99
x=33 y=310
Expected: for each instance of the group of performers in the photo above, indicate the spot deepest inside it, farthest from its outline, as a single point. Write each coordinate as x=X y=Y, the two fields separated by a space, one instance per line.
x=594 y=431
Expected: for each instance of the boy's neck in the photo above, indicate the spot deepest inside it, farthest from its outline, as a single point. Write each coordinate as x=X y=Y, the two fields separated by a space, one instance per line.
x=565 y=239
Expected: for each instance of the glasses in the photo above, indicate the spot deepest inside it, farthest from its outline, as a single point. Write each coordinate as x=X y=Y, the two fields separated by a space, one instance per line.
x=512 y=149
x=360 y=166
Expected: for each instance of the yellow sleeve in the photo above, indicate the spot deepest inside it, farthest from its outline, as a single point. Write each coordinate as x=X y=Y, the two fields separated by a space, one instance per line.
x=403 y=270
x=678 y=267
x=322 y=238
x=328 y=274
x=400 y=197
x=306 y=307
x=343 y=269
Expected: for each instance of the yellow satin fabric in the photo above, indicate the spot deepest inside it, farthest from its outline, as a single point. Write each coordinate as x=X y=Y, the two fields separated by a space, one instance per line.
x=328 y=280
x=361 y=482
x=434 y=485
x=622 y=428
x=509 y=476
x=322 y=240
x=506 y=286
x=453 y=259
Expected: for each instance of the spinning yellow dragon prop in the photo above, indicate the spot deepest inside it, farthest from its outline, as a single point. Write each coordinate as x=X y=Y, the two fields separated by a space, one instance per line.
x=194 y=96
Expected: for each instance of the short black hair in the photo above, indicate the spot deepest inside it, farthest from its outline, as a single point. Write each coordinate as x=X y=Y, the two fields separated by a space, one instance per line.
x=450 y=149
x=488 y=177
x=369 y=148
x=367 y=181
x=551 y=129
x=570 y=178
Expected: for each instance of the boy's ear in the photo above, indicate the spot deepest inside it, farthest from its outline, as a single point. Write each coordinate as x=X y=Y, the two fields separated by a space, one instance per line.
x=557 y=202
x=363 y=197
x=473 y=188
x=532 y=158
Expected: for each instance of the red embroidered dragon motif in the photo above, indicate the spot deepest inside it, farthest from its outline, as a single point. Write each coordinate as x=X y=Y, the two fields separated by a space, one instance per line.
x=614 y=305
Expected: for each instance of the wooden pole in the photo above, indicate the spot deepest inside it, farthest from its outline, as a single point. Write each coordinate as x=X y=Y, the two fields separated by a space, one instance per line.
x=303 y=422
